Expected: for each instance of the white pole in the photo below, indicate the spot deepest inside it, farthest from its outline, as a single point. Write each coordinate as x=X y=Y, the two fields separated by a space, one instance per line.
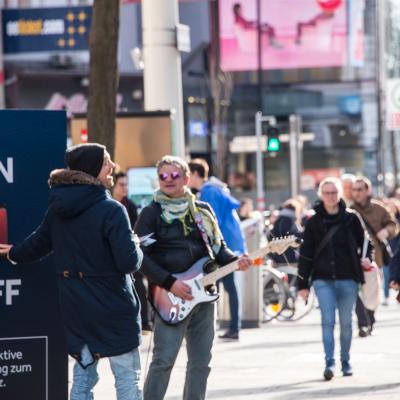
x=259 y=164
x=294 y=148
x=162 y=64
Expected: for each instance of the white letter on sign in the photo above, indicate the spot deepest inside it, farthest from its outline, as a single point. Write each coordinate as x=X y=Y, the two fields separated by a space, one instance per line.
x=8 y=172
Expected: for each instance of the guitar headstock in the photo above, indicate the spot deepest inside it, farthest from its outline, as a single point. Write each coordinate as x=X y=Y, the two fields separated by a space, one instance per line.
x=277 y=245
x=280 y=244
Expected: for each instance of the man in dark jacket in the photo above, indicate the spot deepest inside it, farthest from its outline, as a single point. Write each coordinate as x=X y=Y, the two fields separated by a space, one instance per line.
x=174 y=230
x=95 y=249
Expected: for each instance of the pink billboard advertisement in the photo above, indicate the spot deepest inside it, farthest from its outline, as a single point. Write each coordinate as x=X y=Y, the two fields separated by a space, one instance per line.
x=294 y=34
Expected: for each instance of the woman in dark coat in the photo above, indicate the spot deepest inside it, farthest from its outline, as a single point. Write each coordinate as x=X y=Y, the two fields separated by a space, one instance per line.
x=330 y=260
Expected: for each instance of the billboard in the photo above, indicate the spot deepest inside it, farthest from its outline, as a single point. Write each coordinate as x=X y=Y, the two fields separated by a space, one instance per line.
x=141 y=138
x=33 y=356
x=46 y=29
x=294 y=34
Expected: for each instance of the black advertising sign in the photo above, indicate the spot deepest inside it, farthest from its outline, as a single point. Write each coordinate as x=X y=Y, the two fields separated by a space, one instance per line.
x=33 y=359
x=46 y=29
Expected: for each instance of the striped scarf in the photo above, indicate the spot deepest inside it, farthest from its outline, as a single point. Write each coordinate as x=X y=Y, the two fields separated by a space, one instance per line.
x=179 y=208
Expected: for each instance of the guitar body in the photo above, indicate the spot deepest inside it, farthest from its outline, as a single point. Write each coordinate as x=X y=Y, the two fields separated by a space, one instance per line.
x=173 y=309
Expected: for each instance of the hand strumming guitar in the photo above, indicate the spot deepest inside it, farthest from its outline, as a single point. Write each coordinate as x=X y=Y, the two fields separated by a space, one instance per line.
x=182 y=290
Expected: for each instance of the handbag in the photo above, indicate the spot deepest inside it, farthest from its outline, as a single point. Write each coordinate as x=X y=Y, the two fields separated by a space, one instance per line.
x=371 y=289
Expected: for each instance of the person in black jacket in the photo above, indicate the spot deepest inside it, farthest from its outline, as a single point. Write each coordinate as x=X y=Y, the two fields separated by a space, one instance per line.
x=120 y=193
x=330 y=260
x=171 y=240
x=95 y=250
x=286 y=224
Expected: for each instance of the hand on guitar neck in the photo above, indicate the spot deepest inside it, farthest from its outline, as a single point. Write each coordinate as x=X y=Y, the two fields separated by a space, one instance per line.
x=244 y=262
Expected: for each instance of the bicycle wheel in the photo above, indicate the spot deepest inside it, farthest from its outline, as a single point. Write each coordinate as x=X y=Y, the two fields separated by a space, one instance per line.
x=295 y=307
x=275 y=294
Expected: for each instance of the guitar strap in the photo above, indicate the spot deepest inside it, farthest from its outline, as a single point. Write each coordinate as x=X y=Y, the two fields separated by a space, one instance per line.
x=200 y=226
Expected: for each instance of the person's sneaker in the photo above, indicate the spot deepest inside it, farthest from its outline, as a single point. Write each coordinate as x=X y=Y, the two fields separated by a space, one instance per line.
x=346 y=368
x=386 y=301
x=363 y=331
x=329 y=371
x=230 y=335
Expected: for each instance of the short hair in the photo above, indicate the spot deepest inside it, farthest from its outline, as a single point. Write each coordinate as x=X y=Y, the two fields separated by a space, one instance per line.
x=365 y=181
x=348 y=177
x=200 y=166
x=119 y=175
x=332 y=181
x=292 y=204
x=175 y=161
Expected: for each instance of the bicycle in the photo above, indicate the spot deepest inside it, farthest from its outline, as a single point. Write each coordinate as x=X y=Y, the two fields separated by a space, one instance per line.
x=295 y=307
x=280 y=298
x=275 y=291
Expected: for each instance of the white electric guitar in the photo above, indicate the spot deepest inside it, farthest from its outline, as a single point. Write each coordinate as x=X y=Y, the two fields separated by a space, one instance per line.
x=173 y=309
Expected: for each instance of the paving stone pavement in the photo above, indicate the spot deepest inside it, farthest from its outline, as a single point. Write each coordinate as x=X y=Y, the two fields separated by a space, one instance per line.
x=284 y=361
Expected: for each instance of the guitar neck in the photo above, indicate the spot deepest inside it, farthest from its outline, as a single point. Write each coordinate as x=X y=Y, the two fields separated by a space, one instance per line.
x=278 y=245
x=212 y=277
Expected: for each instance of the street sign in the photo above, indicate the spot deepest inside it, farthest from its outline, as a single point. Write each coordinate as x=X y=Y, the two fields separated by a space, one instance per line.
x=183 y=38
x=304 y=137
x=393 y=104
x=247 y=144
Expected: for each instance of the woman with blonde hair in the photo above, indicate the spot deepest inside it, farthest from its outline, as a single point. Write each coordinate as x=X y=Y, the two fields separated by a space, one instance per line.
x=330 y=261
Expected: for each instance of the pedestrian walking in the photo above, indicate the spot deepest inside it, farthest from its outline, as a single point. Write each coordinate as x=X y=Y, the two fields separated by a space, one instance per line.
x=347 y=184
x=120 y=193
x=382 y=226
x=287 y=223
x=330 y=260
x=216 y=193
x=176 y=231
x=95 y=250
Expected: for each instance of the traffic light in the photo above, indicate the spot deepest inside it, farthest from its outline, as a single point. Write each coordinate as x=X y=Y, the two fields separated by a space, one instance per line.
x=273 y=142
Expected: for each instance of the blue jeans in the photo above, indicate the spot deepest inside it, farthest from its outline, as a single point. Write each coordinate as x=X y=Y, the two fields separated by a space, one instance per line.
x=198 y=329
x=230 y=287
x=126 y=370
x=386 y=279
x=340 y=294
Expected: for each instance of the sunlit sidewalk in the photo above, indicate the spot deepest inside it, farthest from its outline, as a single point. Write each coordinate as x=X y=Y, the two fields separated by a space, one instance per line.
x=284 y=360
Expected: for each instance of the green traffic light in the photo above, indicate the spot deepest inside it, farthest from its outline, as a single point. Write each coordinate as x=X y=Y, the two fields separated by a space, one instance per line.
x=273 y=144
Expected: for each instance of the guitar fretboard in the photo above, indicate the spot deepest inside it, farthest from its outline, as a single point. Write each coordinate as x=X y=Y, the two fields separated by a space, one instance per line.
x=278 y=245
x=231 y=267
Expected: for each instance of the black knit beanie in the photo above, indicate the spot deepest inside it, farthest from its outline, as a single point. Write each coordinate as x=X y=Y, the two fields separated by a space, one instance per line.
x=88 y=157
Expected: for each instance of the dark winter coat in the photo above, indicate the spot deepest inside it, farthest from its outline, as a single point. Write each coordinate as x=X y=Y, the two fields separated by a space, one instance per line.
x=283 y=226
x=340 y=258
x=94 y=248
x=167 y=249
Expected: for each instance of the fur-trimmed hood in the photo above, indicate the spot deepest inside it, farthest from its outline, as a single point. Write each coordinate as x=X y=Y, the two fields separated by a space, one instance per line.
x=73 y=192
x=71 y=177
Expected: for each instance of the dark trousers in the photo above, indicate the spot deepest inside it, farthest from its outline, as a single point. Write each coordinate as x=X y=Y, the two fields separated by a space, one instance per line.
x=365 y=317
x=141 y=291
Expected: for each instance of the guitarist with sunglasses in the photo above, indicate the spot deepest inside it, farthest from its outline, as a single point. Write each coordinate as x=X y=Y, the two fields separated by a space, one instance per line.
x=176 y=231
